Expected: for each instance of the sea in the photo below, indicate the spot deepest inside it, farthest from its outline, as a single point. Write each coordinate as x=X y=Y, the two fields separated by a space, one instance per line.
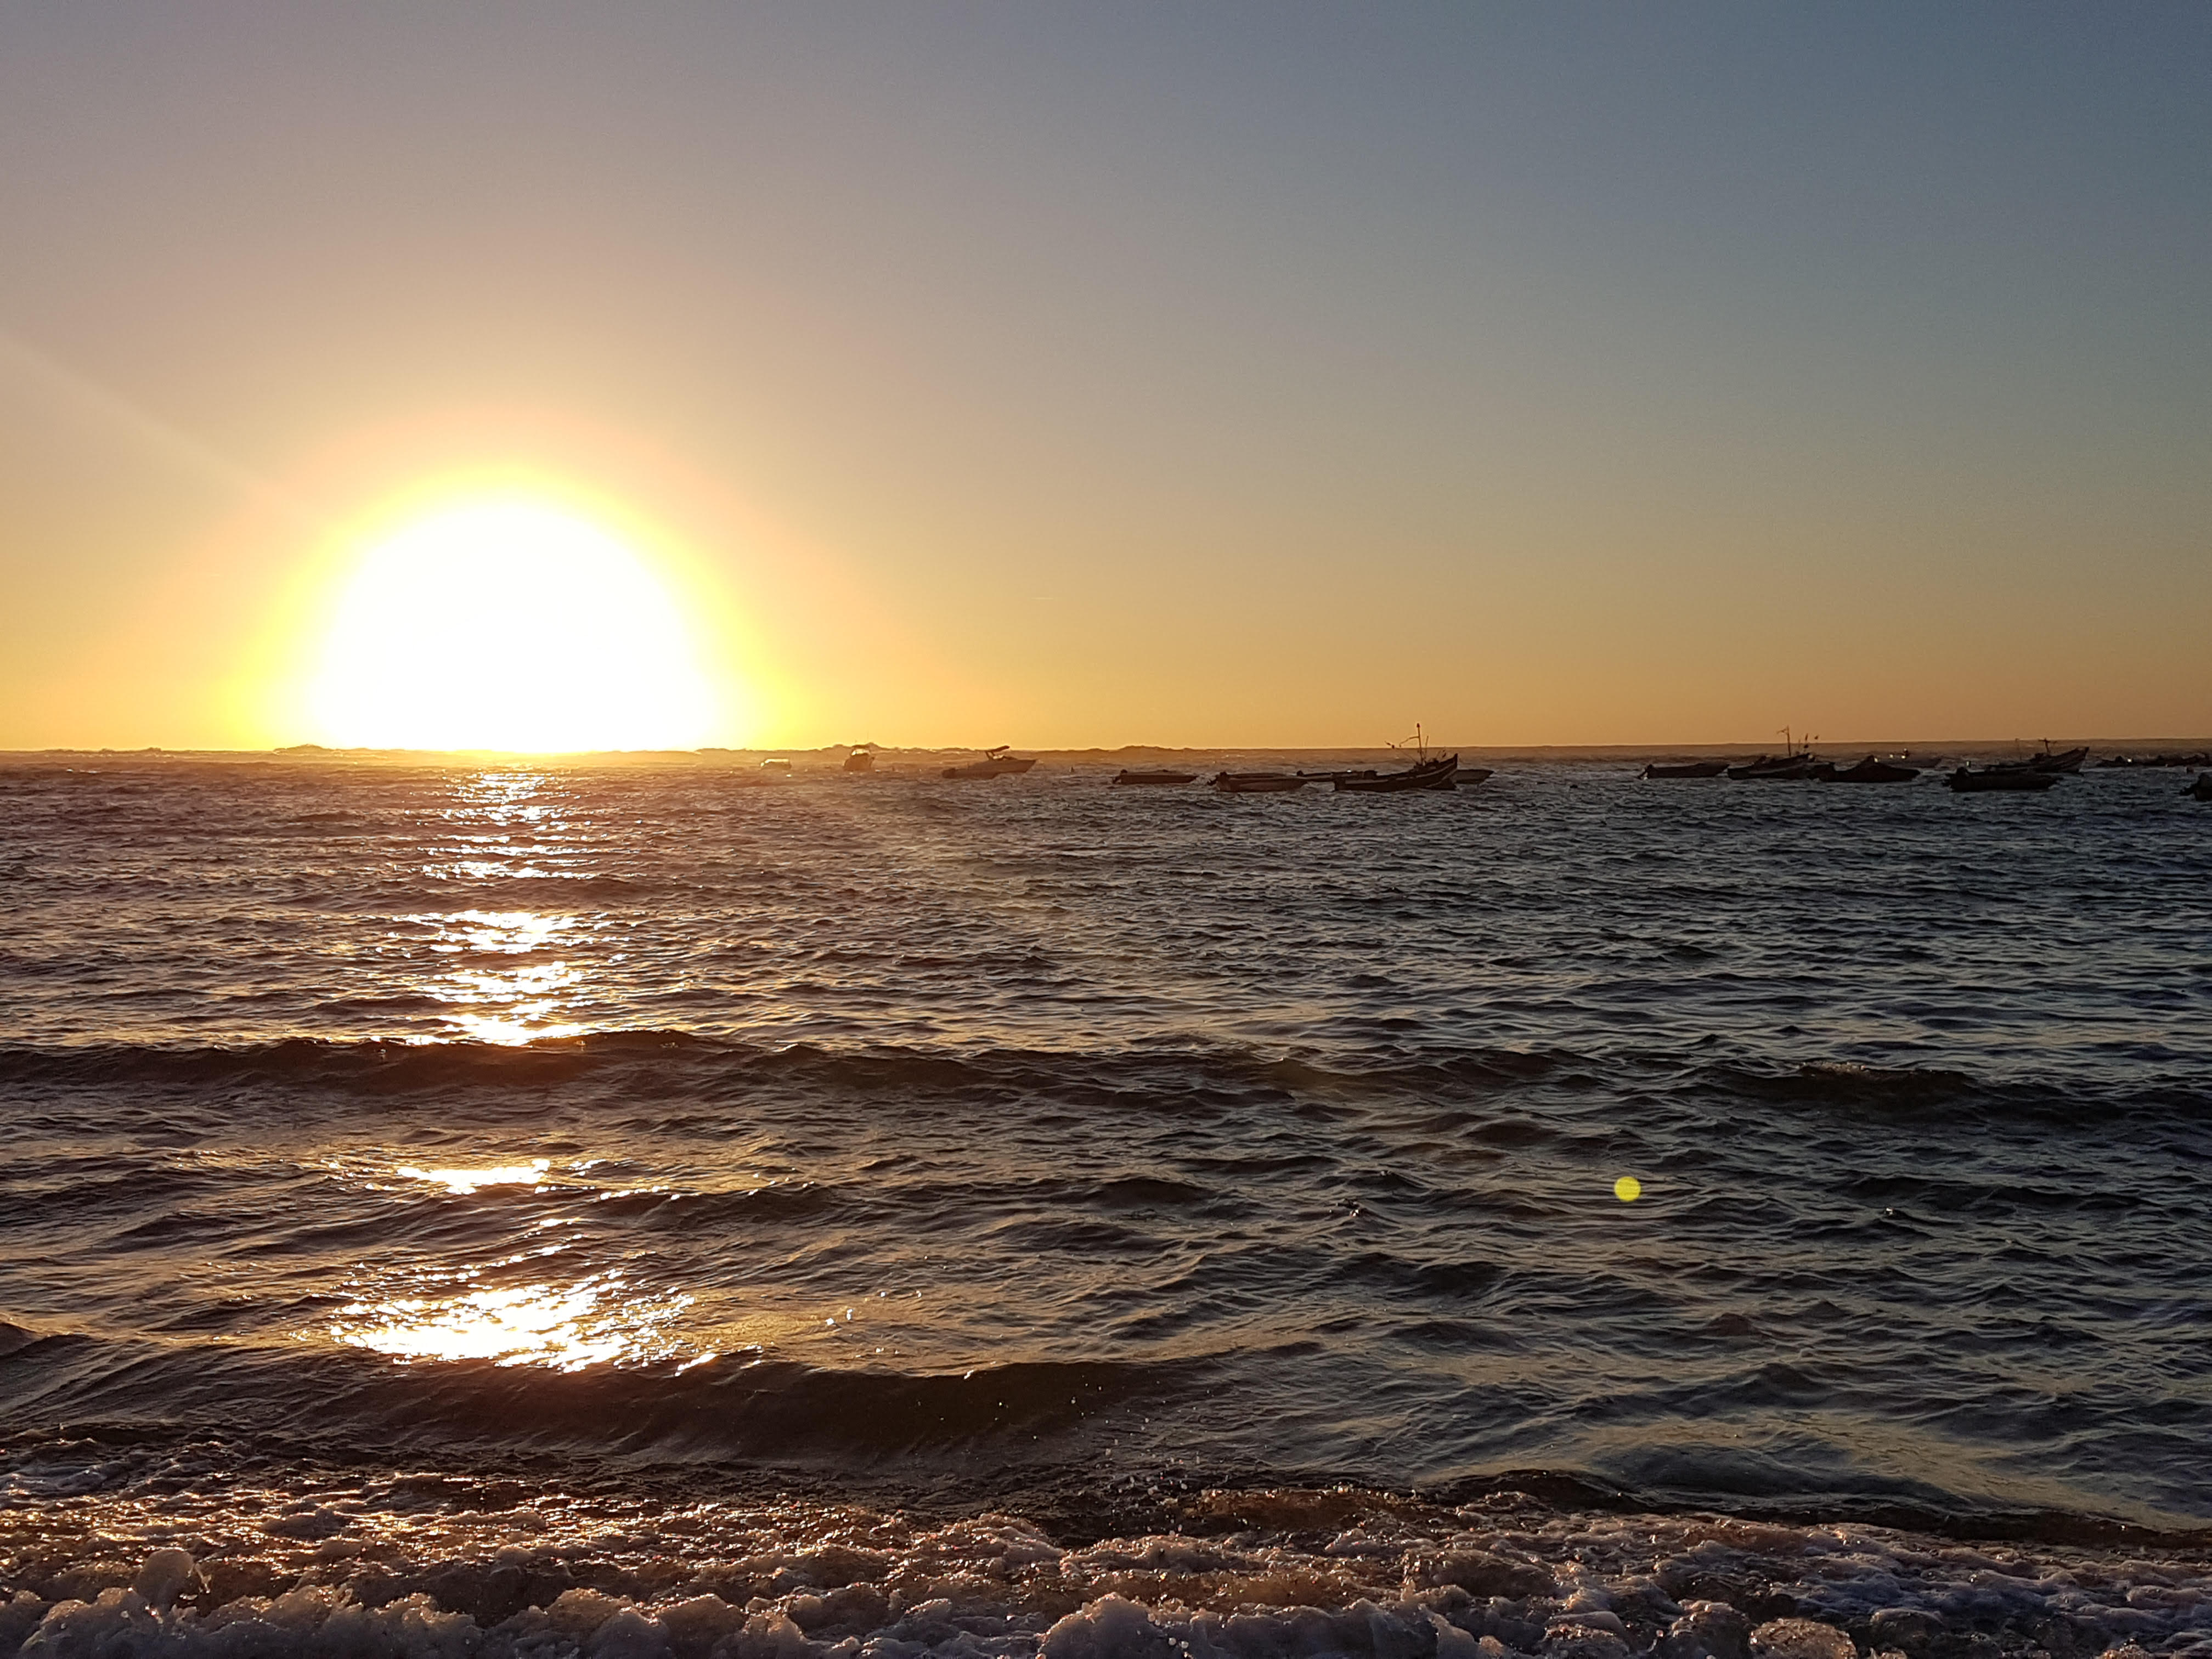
x=677 y=1211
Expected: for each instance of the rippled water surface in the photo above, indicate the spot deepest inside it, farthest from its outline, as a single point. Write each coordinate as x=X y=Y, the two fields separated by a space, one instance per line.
x=889 y=1136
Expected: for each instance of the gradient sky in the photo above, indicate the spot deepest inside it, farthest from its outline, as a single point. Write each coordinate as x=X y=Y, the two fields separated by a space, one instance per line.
x=1212 y=373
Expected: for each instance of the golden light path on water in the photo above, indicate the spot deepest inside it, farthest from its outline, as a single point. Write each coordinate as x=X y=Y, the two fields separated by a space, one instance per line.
x=504 y=828
x=564 y=1325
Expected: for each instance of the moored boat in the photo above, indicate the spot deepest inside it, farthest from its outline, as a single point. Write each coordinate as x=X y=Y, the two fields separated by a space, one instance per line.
x=1966 y=780
x=996 y=763
x=1443 y=772
x=862 y=759
x=2044 y=761
x=1138 y=777
x=1684 y=770
x=2202 y=789
x=1774 y=769
x=1256 y=783
x=1869 y=770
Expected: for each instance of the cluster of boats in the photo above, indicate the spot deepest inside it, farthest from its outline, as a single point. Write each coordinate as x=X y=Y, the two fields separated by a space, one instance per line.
x=2037 y=772
x=1798 y=763
x=1444 y=772
x=2112 y=762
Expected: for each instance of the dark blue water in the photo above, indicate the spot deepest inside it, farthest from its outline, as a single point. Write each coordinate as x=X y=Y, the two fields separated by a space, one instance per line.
x=1036 y=1143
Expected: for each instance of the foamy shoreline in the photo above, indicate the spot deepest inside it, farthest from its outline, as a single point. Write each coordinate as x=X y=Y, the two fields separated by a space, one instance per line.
x=431 y=1565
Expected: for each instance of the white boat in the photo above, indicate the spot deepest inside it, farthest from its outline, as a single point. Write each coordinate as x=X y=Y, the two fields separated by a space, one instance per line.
x=995 y=763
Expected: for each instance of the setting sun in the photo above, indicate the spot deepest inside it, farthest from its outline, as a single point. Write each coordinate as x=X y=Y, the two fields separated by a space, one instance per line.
x=509 y=624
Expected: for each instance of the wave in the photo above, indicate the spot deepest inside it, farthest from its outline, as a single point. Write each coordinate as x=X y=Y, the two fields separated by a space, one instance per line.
x=729 y=1406
x=1193 y=1077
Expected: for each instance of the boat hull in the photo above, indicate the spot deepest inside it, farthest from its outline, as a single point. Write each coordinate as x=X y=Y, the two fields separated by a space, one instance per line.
x=1870 y=770
x=1127 y=780
x=1686 y=769
x=1429 y=774
x=1255 y=783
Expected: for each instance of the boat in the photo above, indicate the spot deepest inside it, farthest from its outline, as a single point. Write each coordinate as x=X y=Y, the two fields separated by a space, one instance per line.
x=1443 y=772
x=1966 y=780
x=1775 y=767
x=1138 y=777
x=1796 y=761
x=1256 y=783
x=1473 y=774
x=1869 y=770
x=996 y=763
x=1684 y=769
x=2044 y=761
x=2202 y=789
x=776 y=767
x=862 y=759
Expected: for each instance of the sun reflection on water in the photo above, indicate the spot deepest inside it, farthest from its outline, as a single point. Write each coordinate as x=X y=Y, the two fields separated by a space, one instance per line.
x=508 y=1004
x=593 y=1321
x=464 y=1182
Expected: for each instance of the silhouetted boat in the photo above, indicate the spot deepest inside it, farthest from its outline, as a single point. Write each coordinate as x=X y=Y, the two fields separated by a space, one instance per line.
x=1684 y=769
x=1256 y=783
x=2202 y=789
x=1153 y=777
x=1775 y=767
x=2044 y=761
x=996 y=763
x=1443 y=772
x=1966 y=780
x=860 y=760
x=776 y=767
x=1869 y=770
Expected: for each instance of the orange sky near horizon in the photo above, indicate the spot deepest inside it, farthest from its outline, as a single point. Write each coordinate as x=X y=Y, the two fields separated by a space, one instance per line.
x=1196 y=379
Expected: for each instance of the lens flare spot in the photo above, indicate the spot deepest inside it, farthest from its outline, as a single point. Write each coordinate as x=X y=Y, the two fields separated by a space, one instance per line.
x=1628 y=1190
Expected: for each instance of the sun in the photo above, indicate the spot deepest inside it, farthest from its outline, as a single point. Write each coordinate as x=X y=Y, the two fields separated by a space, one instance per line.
x=513 y=625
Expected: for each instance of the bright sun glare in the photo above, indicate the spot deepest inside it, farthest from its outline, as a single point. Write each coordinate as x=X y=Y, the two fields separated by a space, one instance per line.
x=509 y=625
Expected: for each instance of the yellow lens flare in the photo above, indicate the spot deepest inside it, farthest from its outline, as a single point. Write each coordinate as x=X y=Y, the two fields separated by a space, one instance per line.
x=1628 y=1190
x=509 y=625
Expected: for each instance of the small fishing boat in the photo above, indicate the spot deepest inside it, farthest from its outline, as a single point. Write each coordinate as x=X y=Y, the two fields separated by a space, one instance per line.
x=1135 y=777
x=996 y=763
x=1684 y=770
x=1473 y=774
x=1442 y=773
x=2202 y=789
x=862 y=759
x=1796 y=761
x=1869 y=770
x=1769 y=769
x=2044 y=761
x=1966 y=780
x=1256 y=783
x=776 y=767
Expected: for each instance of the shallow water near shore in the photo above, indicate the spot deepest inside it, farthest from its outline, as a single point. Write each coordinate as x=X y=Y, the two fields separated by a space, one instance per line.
x=423 y=1171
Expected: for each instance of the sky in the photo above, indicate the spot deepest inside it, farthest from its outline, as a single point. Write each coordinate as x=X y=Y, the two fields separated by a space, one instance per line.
x=1192 y=373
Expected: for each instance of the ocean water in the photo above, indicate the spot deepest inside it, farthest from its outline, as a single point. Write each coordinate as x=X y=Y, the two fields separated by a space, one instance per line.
x=652 y=1210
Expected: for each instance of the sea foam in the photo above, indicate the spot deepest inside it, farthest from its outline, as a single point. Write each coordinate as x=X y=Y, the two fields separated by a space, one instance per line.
x=421 y=1567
